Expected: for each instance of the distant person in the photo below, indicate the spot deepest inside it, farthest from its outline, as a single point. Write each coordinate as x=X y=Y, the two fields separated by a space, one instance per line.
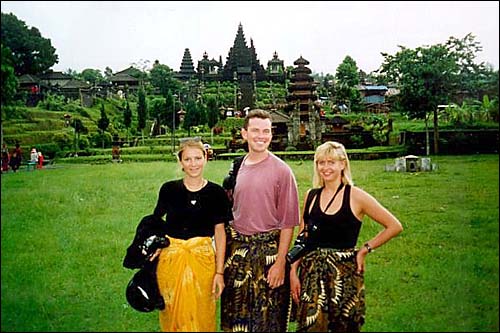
x=40 y=160
x=265 y=210
x=5 y=158
x=209 y=150
x=116 y=153
x=190 y=271
x=34 y=156
x=16 y=158
x=33 y=162
x=327 y=282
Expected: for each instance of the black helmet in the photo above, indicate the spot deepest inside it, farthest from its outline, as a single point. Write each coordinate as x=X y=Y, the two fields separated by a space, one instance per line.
x=142 y=291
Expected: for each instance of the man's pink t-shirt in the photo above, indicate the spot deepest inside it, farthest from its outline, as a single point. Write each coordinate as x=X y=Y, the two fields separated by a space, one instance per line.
x=265 y=197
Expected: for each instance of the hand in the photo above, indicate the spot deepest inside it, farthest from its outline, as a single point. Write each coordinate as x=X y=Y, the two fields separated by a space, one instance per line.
x=218 y=285
x=295 y=288
x=360 y=259
x=156 y=254
x=276 y=275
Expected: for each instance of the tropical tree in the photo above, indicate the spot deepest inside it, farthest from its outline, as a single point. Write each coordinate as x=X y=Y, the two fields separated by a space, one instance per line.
x=212 y=115
x=162 y=77
x=79 y=128
x=32 y=53
x=103 y=123
x=142 y=111
x=93 y=76
x=427 y=76
x=158 y=112
x=191 y=117
x=9 y=80
x=127 y=118
x=108 y=72
x=346 y=91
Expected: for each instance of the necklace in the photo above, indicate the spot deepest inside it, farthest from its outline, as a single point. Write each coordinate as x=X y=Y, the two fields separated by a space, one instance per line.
x=193 y=195
x=195 y=187
x=333 y=198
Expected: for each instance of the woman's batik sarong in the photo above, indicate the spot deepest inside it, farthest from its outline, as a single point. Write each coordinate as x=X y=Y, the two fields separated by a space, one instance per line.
x=248 y=303
x=332 y=293
x=185 y=274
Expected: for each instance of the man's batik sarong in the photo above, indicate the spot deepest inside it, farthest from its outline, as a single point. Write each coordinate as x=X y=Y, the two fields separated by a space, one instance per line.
x=248 y=303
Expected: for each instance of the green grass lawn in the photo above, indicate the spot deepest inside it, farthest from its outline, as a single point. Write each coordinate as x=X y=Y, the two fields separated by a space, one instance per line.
x=65 y=232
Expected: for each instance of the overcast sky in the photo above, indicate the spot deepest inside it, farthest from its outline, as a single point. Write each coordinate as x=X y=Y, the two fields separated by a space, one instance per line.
x=97 y=34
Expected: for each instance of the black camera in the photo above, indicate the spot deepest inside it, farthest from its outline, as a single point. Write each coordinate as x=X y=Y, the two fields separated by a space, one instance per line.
x=303 y=243
x=153 y=243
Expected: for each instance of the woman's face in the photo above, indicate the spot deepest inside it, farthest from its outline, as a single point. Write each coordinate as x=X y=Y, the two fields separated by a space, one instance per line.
x=329 y=168
x=193 y=161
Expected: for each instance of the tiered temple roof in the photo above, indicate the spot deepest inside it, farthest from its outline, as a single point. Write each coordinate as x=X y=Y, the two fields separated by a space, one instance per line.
x=305 y=120
x=187 y=68
x=242 y=59
x=302 y=87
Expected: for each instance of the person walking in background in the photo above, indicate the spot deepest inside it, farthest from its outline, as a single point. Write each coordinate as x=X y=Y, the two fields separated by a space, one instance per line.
x=189 y=272
x=265 y=210
x=327 y=283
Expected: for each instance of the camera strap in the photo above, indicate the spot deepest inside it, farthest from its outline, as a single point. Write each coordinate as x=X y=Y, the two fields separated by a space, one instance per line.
x=333 y=198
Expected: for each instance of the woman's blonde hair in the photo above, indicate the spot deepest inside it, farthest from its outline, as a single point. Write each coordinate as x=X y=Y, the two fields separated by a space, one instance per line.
x=336 y=151
x=190 y=143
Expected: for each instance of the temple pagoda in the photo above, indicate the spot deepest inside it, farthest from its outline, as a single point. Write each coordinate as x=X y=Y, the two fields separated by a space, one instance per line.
x=244 y=69
x=242 y=59
x=187 y=68
x=304 y=116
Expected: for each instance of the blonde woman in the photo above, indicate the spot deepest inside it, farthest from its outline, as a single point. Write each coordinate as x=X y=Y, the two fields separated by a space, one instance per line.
x=327 y=283
x=190 y=272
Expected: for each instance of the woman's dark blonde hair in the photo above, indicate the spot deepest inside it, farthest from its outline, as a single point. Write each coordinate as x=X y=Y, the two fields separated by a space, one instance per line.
x=190 y=143
x=335 y=151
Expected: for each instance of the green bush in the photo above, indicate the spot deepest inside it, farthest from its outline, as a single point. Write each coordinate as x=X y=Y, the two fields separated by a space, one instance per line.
x=49 y=150
x=52 y=102
x=63 y=140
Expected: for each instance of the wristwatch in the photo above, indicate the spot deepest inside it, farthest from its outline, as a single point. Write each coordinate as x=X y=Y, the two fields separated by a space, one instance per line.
x=368 y=247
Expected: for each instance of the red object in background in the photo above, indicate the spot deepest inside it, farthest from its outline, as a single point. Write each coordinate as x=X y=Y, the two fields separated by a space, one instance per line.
x=35 y=89
x=40 y=161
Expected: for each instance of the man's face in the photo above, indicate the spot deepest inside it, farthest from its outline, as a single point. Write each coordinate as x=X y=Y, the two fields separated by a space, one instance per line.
x=258 y=134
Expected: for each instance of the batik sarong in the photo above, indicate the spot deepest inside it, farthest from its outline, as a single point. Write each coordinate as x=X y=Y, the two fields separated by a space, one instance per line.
x=332 y=293
x=248 y=303
x=185 y=274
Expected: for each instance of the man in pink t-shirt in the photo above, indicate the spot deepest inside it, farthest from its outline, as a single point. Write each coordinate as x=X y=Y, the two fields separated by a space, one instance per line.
x=265 y=210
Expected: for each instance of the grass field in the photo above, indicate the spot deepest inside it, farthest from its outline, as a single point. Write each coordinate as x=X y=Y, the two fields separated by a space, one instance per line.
x=65 y=231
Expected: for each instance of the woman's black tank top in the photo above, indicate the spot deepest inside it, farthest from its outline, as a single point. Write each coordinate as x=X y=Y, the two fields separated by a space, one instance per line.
x=339 y=230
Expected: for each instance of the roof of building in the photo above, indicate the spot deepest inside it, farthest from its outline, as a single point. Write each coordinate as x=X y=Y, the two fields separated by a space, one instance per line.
x=28 y=78
x=363 y=87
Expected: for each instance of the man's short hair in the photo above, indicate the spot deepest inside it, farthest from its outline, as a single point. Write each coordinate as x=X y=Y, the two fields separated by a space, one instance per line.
x=256 y=113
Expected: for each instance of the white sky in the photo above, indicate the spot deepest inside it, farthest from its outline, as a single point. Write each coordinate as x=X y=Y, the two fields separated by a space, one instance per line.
x=96 y=34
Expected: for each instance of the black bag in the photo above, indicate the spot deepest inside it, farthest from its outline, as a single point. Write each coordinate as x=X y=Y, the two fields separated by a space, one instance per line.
x=229 y=181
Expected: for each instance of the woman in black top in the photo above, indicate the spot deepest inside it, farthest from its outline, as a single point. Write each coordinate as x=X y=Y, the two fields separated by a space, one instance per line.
x=327 y=283
x=190 y=273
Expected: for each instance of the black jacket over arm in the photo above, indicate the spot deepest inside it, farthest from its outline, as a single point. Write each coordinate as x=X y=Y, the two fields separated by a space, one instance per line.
x=150 y=225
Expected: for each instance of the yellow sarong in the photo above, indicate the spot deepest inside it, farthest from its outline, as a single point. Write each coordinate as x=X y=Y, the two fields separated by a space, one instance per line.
x=185 y=274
